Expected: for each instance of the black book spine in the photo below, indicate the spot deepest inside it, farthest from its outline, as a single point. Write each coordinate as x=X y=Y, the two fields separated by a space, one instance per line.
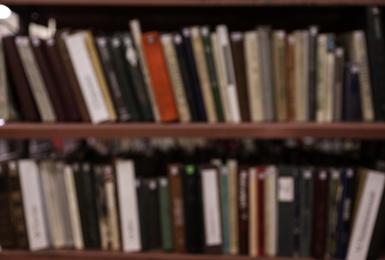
x=243 y=210
x=352 y=99
x=313 y=33
x=141 y=194
x=192 y=70
x=152 y=210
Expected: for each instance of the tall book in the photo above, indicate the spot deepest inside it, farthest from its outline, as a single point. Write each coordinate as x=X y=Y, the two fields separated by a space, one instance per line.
x=306 y=211
x=213 y=74
x=338 y=84
x=165 y=214
x=365 y=219
x=321 y=77
x=175 y=77
x=330 y=77
x=238 y=51
x=232 y=167
x=7 y=234
x=261 y=209
x=253 y=76
x=33 y=204
x=279 y=64
x=253 y=212
x=290 y=77
x=203 y=73
x=19 y=80
x=128 y=205
x=5 y=113
x=376 y=56
x=87 y=77
x=312 y=104
x=35 y=78
x=137 y=36
x=270 y=210
x=351 y=110
x=229 y=73
x=211 y=209
x=177 y=210
x=266 y=58
x=159 y=77
x=243 y=210
x=221 y=76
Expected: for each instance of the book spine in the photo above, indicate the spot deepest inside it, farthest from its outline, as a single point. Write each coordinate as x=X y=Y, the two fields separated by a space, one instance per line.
x=243 y=211
x=312 y=98
x=321 y=77
x=151 y=204
x=176 y=77
x=228 y=68
x=137 y=35
x=338 y=87
x=270 y=211
x=159 y=77
x=233 y=205
x=225 y=208
x=165 y=214
x=86 y=76
x=253 y=212
x=253 y=74
x=209 y=55
x=129 y=215
x=7 y=234
x=290 y=80
x=35 y=79
x=261 y=209
x=4 y=95
x=305 y=39
x=306 y=217
x=330 y=78
x=203 y=73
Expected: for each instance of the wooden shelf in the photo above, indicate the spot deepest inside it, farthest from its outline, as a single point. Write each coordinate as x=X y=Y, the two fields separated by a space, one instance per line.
x=88 y=255
x=194 y=2
x=203 y=130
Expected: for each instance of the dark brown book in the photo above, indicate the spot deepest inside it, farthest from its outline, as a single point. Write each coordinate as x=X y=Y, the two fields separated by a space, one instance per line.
x=70 y=73
x=19 y=80
x=320 y=212
x=290 y=77
x=176 y=197
x=16 y=205
x=237 y=48
x=51 y=85
x=7 y=235
x=61 y=81
x=243 y=210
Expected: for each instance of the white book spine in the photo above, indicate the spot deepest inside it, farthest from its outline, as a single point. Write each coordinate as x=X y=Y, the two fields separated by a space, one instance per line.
x=86 y=76
x=35 y=79
x=366 y=216
x=137 y=35
x=211 y=207
x=128 y=205
x=33 y=204
x=253 y=74
x=271 y=211
x=228 y=68
x=221 y=77
x=74 y=214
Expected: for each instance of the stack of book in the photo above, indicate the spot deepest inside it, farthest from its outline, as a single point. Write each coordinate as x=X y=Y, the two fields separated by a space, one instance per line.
x=221 y=207
x=196 y=74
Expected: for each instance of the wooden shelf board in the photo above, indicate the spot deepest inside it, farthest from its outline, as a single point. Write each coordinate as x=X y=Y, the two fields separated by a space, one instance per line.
x=194 y=2
x=88 y=255
x=204 y=130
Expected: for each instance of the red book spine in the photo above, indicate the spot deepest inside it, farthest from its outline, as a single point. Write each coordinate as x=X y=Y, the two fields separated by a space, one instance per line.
x=261 y=210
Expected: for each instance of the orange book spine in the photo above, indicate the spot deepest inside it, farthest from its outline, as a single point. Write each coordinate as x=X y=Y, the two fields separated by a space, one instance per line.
x=159 y=77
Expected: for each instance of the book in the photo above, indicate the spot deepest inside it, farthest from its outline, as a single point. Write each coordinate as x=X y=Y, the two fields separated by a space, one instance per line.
x=224 y=207
x=351 y=110
x=35 y=79
x=243 y=210
x=306 y=211
x=165 y=214
x=229 y=73
x=367 y=211
x=177 y=207
x=270 y=210
x=33 y=204
x=214 y=82
x=238 y=53
x=330 y=77
x=176 y=77
x=5 y=113
x=338 y=87
x=211 y=209
x=321 y=77
x=136 y=31
x=19 y=80
x=151 y=216
x=232 y=167
x=128 y=205
x=261 y=209
x=87 y=77
x=159 y=77
x=7 y=234
x=142 y=213
x=313 y=61
x=253 y=75
x=279 y=65
x=266 y=58
x=253 y=212
x=203 y=73
x=290 y=77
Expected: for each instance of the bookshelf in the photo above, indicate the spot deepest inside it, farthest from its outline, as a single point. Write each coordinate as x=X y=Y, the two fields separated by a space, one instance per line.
x=48 y=8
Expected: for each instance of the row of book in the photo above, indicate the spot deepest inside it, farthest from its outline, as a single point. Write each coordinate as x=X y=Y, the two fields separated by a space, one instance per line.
x=212 y=208
x=195 y=74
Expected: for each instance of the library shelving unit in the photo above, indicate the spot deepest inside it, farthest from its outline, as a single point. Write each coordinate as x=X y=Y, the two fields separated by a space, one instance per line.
x=164 y=14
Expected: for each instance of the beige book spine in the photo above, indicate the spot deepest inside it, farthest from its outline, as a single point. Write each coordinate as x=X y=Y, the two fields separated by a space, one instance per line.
x=113 y=225
x=253 y=74
x=330 y=84
x=233 y=205
x=90 y=43
x=270 y=214
x=321 y=77
x=305 y=76
x=4 y=96
x=203 y=73
x=360 y=57
x=253 y=212
x=279 y=59
x=221 y=77
x=176 y=77
x=298 y=77
x=35 y=79
x=71 y=193
x=137 y=35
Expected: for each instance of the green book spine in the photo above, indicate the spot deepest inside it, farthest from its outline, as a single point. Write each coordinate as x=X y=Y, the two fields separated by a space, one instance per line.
x=165 y=214
x=117 y=51
x=225 y=209
x=212 y=72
